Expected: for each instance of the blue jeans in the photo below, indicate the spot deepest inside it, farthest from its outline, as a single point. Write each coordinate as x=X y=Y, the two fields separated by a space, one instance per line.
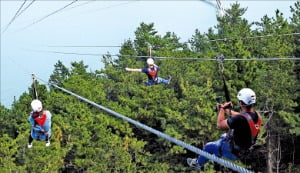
x=219 y=148
x=159 y=80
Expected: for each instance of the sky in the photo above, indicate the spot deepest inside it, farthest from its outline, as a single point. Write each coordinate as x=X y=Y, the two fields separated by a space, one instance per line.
x=96 y=23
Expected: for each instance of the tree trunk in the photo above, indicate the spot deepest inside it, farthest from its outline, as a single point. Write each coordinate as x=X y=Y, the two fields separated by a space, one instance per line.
x=271 y=150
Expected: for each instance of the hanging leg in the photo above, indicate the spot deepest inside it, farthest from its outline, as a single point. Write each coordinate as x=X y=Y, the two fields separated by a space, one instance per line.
x=30 y=139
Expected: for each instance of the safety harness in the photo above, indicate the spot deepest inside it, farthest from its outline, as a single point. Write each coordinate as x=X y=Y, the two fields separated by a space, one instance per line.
x=153 y=73
x=254 y=127
x=39 y=122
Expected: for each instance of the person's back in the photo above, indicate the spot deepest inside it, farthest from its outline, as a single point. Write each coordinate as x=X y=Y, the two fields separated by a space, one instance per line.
x=241 y=131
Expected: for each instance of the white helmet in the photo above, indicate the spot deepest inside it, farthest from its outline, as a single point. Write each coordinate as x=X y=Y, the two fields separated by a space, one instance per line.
x=36 y=105
x=247 y=95
x=150 y=61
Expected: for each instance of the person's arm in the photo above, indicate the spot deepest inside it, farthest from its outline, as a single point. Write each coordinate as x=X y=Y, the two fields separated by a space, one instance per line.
x=221 y=121
x=133 y=69
x=32 y=116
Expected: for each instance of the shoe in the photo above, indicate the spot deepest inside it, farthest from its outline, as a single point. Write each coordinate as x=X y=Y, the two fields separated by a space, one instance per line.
x=193 y=163
x=47 y=143
x=169 y=79
x=29 y=145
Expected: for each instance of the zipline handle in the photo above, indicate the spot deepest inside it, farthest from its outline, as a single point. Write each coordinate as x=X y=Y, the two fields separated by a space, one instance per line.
x=35 y=94
x=220 y=59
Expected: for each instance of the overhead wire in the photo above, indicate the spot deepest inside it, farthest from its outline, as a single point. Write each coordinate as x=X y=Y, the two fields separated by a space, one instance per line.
x=253 y=37
x=80 y=5
x=48 y=15
x=174 y=58
x=212 y=40
x=209 y=3
x=81 y=46
x=115 y=5
x=14 y=17
x=219 y=4
x=26 y=7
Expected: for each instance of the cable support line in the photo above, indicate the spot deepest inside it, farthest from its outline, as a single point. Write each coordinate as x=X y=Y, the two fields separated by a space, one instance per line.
x=48 y=15
x=210 y=3
x=263 y=59
x=134 y=56
x=214 y=40
x=74 y=53
x=19 y=65
x=79 y=5
x=175 y=58
x=160 y=134
x=80 y=46
x=112 y=6
x=214 y=59
x=15 y=16
x=26 y=7
x=219 y=4
x=88 y=54
x=253 y=37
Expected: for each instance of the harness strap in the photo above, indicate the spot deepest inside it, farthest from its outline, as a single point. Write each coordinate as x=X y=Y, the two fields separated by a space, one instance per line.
x=40 y=120
x=254 y=127
x=153 y=73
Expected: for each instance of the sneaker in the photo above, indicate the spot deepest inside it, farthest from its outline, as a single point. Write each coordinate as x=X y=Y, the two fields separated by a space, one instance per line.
x=193 y=163
x=29 y=145
x=47 y=143
x=169 y=79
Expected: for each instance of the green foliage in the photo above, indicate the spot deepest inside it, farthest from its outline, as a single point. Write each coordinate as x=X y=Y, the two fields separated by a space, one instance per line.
x=86 y=139
x=60 y=74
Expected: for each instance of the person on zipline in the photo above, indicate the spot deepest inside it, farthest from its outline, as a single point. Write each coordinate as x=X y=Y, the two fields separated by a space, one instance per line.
x=152 y=72
x=243 y=128
x=40 y=121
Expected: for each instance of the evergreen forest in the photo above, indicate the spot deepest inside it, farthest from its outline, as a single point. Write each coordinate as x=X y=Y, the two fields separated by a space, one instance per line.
x=86 y=139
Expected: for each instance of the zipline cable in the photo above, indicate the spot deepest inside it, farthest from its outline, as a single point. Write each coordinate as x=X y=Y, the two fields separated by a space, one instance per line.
x=174 y=58
x=210 y=3
x=252 y=37
x=214 y=40
x=48 y=15
x=158 y=133
x=80 y=46
x=26 y=7
x=15 y=16
x=80 y=5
